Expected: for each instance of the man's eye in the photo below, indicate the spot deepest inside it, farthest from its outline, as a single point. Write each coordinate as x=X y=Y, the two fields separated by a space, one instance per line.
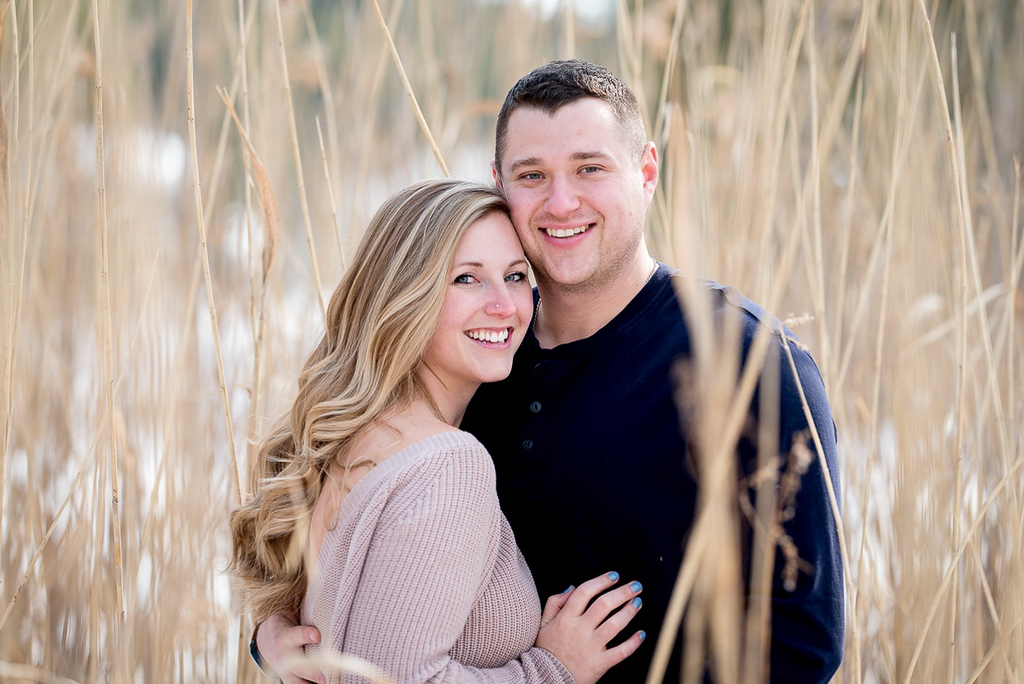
x=533 y=175
x=591 y=169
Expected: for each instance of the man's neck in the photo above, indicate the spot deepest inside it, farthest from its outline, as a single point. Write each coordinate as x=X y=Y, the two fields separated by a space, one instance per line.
x=568 y=314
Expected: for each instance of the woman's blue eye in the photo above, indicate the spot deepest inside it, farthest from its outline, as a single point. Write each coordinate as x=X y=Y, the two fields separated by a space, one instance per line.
x=516 y=277
x=463 y=279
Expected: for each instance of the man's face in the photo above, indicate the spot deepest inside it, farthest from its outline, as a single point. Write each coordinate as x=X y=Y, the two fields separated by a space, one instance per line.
x=578 y=193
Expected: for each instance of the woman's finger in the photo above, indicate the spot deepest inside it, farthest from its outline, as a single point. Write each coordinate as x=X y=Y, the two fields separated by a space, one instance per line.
x=554 y=605
x=580 y=599
x=604 y=605
x=614 y=656
x=607 y=630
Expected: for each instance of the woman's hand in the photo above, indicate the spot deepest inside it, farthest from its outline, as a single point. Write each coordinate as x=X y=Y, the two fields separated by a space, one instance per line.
x=577 y=631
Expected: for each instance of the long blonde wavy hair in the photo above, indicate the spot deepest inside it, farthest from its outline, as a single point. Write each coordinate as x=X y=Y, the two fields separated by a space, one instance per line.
x=379 y=321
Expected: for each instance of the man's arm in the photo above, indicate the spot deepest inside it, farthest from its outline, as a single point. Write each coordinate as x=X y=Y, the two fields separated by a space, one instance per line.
x=808 y=620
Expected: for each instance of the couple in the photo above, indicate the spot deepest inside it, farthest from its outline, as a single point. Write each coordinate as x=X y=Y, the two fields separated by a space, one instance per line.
x=417 y=570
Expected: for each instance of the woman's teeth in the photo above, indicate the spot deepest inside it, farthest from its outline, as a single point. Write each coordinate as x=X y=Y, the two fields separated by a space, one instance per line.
x=493 y=336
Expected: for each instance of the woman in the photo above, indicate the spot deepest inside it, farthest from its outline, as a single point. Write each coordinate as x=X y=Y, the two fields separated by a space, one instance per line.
x=374 y=509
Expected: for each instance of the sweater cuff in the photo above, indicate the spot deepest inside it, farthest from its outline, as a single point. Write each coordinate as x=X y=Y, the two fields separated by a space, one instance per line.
x=549 y=666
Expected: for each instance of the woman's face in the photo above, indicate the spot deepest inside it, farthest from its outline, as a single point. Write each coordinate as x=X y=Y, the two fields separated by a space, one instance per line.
x=486 y=310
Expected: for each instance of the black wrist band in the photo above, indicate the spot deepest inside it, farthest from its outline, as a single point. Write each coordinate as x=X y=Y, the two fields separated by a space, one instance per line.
x=254 y=653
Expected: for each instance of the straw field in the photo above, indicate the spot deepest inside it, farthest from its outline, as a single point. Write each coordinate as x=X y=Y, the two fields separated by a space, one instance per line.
x=183 y=182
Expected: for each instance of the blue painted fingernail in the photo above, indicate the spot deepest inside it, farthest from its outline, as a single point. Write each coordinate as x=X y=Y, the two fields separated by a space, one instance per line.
x=567 y=589
x=613 y=576
x=636 y=586
x=643 y=635
x=637 y=601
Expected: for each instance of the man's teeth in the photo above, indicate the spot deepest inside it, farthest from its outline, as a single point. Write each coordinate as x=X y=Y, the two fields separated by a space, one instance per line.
x=494 y=336
x=565 y=232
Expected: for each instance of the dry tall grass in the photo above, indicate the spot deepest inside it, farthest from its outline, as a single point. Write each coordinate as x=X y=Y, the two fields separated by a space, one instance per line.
x=851 y=164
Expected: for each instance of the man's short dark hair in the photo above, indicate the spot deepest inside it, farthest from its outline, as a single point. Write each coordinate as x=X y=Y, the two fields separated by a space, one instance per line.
x=556 y=84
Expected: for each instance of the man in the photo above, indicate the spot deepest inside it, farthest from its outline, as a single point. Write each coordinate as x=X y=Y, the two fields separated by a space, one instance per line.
x=594 y=469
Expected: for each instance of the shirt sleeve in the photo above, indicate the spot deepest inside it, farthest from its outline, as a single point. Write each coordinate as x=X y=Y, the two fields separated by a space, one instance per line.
x=808 y=620
x=431 y=556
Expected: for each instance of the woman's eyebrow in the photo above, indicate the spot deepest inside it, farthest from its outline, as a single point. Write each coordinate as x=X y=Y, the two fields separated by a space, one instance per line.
x=477 y=264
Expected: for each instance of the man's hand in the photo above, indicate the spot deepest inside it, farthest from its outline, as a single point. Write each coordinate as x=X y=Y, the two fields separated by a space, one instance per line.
x=280 y=640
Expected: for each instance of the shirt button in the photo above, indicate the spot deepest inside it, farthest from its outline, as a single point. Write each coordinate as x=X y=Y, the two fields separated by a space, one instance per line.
x=527 y=443
x=535 y=407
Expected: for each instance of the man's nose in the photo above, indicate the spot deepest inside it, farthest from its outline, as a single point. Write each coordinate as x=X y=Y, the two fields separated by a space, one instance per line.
x=562 y=199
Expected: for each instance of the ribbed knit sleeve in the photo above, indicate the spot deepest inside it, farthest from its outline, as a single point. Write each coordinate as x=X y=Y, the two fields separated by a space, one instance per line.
x=414 y=568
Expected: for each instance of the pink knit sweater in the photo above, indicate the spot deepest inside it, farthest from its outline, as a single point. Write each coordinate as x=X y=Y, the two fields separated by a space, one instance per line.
x=422 y=576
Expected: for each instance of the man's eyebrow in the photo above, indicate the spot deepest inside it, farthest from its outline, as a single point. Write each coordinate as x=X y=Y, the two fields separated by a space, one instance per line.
x=583 y=155
x=519 y=163
x=586 y=155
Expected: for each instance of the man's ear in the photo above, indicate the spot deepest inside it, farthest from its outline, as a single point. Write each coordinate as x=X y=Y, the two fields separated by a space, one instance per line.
x=649 y=169
x=496 y=175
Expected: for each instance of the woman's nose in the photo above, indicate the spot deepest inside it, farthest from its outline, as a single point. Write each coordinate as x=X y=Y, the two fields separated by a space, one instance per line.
x=500 y=303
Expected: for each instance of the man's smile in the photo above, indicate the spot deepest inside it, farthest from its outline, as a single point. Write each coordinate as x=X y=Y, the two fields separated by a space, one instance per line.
x=566 y=232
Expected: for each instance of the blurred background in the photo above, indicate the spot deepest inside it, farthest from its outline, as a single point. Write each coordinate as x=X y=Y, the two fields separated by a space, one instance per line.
x=182 y=186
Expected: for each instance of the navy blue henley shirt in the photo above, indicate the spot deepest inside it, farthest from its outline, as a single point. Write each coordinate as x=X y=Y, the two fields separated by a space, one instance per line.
x=595 y=473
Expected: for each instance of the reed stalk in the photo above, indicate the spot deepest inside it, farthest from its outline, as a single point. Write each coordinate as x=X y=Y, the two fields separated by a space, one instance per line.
x=409 y=92
x=204 y=252
x=122 y=621
x=297 y=157
x=15 y=286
